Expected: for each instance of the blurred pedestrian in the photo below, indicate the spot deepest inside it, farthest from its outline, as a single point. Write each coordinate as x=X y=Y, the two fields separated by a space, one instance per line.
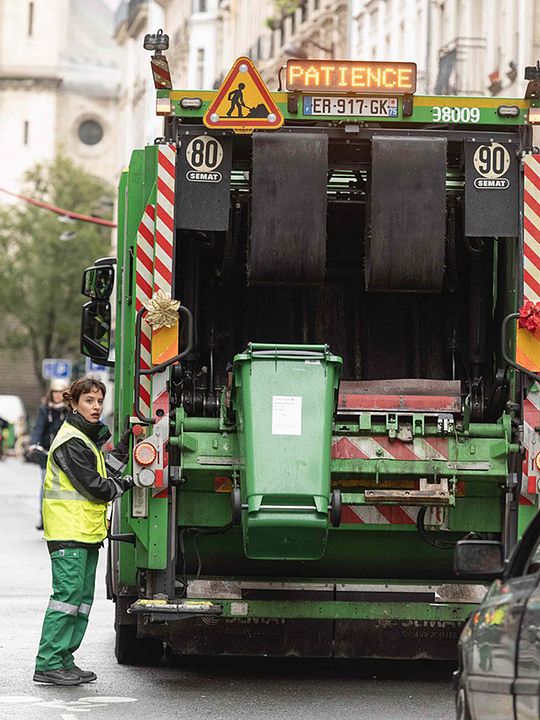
x=51 y=414
x=79 y=484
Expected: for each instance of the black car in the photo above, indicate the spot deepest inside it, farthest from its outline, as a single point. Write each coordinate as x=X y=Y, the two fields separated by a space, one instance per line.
x=498 y=677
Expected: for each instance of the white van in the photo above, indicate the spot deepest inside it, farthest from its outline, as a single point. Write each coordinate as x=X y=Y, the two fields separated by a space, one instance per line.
x=12 y=410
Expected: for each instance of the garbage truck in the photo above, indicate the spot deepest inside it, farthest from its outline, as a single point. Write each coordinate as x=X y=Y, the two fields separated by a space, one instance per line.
x=326 y=344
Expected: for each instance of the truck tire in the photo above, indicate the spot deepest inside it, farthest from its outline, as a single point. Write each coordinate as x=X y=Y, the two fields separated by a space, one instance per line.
x=131 y=650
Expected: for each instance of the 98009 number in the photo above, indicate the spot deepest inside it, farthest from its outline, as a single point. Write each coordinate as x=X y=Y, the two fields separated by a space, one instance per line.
x=456 y=114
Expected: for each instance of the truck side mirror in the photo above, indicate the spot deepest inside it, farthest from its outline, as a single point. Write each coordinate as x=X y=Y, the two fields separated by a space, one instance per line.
x=96 y=329
x=98 y=282
x=479 y=559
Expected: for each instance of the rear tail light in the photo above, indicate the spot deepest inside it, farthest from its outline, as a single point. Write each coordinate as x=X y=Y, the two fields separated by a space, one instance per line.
x=145 y=453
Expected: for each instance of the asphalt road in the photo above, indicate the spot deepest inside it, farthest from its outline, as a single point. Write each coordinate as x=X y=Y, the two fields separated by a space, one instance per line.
x=218 y=689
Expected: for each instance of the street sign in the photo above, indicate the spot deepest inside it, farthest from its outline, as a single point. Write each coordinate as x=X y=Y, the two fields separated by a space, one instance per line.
x=56 y=368
x=243 y=103
x=93 y=367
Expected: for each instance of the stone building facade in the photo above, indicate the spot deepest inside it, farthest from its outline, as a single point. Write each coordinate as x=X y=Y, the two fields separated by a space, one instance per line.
x=58 y=86
x=59 y=79
x=461 y=47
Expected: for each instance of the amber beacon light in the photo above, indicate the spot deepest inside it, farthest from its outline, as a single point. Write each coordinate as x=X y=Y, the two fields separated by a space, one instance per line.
x=392 y=78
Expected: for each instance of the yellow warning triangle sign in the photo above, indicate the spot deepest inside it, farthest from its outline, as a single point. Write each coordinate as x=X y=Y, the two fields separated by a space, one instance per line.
x=243 y=102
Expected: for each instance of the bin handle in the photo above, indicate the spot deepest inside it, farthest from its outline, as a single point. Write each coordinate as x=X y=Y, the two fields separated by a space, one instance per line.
x=285 y=353
x=182 y=310
x=508 y=360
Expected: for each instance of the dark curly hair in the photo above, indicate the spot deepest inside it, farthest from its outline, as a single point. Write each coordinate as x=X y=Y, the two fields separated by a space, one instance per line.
x=79 y=387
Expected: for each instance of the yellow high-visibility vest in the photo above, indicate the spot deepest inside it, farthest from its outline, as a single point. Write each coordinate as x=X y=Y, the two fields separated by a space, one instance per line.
x=68 y=515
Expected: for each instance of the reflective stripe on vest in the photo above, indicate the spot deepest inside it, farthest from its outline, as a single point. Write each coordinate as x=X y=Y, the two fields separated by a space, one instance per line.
x=68 y=515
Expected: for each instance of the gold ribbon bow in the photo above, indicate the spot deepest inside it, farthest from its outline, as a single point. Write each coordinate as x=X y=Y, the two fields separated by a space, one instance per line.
x=162 y=311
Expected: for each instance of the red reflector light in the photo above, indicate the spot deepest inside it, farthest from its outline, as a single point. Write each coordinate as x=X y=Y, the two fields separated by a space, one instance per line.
x=144 y=453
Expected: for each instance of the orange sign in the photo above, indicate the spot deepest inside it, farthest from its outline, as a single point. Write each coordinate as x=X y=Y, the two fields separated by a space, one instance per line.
x=243 y=102
x=392 y=78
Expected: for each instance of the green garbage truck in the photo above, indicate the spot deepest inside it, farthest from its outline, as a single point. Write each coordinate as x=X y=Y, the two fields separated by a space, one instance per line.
x=325 y=343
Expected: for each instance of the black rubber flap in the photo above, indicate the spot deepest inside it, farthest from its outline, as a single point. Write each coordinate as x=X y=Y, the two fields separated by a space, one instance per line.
x=203 y=183
x=288 y=209
x=405 y=239
x=491 y=189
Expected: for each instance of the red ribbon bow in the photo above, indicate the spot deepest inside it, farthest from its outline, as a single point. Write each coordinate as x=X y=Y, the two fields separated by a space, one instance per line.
x=529 y=316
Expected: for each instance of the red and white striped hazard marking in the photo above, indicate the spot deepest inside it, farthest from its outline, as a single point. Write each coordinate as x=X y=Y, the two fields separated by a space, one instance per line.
x=163 y=265
x=155 y=243
x=531 y=229
x=390 y=515
x=161 y=73
x=381 y=447
x=531 y=292
x=143 y=292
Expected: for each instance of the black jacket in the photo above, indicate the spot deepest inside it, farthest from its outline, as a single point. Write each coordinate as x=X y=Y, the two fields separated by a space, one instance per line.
x=48 y=422
x=79 y=463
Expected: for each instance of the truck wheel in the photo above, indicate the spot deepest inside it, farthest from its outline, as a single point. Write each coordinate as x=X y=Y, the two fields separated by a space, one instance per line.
x=131 y=650
x=335 y=508
x=236 y=507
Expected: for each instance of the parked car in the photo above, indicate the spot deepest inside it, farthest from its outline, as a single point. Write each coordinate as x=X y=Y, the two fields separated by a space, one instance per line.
x=498 y=677
x=12 y=410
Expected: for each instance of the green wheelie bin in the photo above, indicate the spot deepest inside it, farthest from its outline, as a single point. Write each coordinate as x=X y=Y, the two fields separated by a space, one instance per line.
x=284 y=398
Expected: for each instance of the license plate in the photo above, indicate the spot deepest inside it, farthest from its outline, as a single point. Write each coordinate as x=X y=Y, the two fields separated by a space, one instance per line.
x=351 y=106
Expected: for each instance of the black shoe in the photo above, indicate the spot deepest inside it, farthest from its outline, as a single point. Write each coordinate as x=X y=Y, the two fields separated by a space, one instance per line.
x=39 y=526
x=57 y=677
x=85 y=675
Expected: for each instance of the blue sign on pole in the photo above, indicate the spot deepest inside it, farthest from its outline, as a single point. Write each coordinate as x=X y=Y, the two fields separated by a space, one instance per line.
x=56 y=368
x=92 y=366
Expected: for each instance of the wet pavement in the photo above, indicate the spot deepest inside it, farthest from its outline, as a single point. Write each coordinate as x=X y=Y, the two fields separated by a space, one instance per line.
x=209 y=689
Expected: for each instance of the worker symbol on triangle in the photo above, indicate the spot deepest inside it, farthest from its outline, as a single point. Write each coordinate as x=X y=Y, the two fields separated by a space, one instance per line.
x=243 y=103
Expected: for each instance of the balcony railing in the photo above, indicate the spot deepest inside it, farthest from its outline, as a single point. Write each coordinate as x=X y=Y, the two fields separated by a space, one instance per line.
x=462 y=69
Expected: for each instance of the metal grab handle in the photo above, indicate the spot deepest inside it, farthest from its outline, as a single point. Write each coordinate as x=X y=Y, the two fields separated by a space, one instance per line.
x=122 y=537
x=182 y=310
x=509 y=361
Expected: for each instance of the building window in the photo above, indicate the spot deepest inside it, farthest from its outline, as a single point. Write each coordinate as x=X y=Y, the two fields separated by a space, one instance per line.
x=199 y=70
x=90 y=132
x=30 y=18
x=316 y=4
x=25 y=132
x=199 y=6
x=360 y=24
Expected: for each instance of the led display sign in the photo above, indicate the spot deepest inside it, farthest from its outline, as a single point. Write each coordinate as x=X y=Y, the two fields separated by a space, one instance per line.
x=391 y=78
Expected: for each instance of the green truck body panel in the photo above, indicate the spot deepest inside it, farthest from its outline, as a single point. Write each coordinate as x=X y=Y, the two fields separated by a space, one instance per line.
x=426 y=109
x=360 y=453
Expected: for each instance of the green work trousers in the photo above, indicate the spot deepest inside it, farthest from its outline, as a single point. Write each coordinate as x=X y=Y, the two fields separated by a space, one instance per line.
x=66 y=617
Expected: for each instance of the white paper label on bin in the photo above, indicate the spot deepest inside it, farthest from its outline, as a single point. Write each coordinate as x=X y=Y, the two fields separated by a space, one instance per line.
x=286 y=415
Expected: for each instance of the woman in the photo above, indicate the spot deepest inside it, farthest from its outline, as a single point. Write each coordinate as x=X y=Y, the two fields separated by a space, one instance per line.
x=77 y=489
x=50 y=417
